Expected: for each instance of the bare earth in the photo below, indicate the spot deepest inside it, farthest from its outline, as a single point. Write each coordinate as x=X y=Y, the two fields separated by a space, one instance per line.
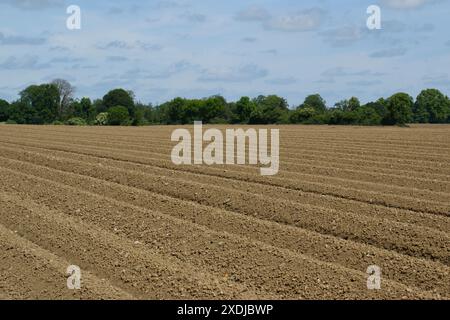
x=111 y=201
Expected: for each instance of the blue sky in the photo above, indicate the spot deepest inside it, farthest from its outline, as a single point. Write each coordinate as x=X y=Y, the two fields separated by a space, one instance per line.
x=166 y=48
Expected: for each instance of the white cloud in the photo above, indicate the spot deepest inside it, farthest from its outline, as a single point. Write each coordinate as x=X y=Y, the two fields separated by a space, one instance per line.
x=20 y=40
x=405 y=4
x=343 y=36
x=118 y=44
x=345 y=72
x=244 y=73
x=33 y=4
x=305 y=20
x=389 y=53
x=26 y=62
x=441 y=79
x=282 y=81
x=253 y=13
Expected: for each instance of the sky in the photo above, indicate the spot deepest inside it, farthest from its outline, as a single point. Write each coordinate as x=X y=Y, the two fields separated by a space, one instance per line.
x=162 y=49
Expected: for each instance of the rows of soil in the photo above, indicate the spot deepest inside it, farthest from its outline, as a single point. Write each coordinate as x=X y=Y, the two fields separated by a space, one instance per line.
x=111 y=201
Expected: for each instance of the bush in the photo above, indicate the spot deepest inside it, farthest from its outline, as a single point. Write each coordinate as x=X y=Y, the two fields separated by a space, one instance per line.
x=101 y=119
x=76 y=122
x=118 y=116
x=57 y=123
x=302 y=115
x=368 y=116
x=10 y=122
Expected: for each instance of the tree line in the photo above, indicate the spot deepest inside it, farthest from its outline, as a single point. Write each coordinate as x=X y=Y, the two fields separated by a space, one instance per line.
x=54 y=103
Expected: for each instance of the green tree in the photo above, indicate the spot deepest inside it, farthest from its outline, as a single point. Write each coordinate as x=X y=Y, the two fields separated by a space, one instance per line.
x=140 y=116
x=18 y=112
x=269 y=110
x=243 y=110
x=173 y=111
x=348 y=105
x=380 y=107
x=420 y=113
x=4 y=110
x=257 y=117
x=448 y=103
x=214 y=109
x=431 y=106
x=88 y=110
x=120 y=97
x=341 y=105
x=99 y=106
x=340 y=117
x=399 y=108
x=316 y=102
x=41 y=103
x=367 y=116
x=192 y=110
x=74 y=109
x=302 y=115
x=83 y=109
x=118 y=116
x=152 y=115
x=353 y=104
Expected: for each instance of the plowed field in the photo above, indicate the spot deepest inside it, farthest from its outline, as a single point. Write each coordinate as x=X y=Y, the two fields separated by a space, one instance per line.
x=111 y=201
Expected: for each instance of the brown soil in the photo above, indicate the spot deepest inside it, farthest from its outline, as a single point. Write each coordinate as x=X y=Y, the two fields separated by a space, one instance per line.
x=111 y=201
